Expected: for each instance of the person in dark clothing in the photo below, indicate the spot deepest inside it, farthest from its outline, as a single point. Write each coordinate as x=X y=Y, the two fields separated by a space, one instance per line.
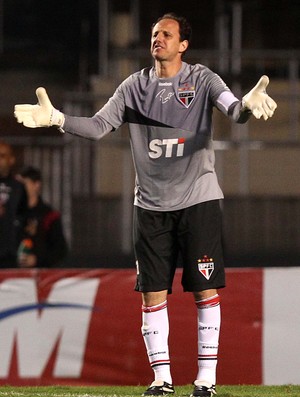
x=43 y=243
x=13 y=203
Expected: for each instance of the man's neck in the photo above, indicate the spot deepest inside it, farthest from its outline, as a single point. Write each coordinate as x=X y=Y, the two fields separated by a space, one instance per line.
x=167 y=69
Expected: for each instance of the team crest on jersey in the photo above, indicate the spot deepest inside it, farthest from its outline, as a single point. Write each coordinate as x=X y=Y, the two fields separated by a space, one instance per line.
x=206 y=266
x=186 y=94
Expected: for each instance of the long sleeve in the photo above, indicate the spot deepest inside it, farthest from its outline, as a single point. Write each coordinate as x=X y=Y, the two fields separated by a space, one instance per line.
x=107 y=119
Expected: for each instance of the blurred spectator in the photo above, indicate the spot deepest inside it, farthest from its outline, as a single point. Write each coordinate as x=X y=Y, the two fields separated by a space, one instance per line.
x=42 y=239
x=13 y=203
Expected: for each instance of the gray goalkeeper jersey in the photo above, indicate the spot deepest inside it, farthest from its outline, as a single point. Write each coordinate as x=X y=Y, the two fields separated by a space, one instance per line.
x=170 y=124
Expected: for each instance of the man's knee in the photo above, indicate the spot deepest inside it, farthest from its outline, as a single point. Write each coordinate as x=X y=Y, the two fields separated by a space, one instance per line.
x=206 y=294
x=154 y=298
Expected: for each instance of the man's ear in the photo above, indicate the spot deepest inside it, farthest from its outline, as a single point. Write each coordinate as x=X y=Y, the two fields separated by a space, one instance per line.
x=183 y=46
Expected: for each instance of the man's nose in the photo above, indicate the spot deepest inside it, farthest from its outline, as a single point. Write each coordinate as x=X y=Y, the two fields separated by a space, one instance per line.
x=159 y=36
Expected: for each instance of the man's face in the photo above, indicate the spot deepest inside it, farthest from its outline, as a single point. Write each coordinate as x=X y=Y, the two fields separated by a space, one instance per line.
x=165 y=41
x=7 y=160
x=33 y=188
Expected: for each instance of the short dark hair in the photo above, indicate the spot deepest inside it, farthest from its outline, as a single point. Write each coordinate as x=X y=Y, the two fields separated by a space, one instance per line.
x=31 y=173
x=185 y=29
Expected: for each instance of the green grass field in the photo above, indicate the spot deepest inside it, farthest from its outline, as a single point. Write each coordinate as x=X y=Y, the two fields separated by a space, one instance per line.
x=128 y=391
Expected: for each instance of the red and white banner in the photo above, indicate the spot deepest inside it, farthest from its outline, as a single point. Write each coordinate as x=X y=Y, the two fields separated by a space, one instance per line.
x=82 y=327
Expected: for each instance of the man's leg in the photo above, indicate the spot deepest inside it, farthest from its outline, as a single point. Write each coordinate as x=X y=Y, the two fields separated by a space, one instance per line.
x=155 y=331
x=201 y=237
x=209 y=321
x=156 y=252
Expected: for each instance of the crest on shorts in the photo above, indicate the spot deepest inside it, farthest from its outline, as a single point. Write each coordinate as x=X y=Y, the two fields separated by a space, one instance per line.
x=186 y=94
x=206 y=266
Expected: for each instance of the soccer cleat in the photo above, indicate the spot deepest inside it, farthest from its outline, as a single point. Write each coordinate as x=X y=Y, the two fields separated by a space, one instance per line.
x=203 y=389
x=159 y=388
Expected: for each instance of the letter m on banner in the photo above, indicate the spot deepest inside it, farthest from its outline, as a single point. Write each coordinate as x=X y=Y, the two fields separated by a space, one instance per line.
x=34 y=331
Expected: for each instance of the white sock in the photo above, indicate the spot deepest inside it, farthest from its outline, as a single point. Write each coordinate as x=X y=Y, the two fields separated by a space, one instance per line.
x=209 y=321
x=155 y=331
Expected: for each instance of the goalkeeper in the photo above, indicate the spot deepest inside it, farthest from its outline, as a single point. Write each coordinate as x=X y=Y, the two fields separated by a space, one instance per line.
x=176 y=207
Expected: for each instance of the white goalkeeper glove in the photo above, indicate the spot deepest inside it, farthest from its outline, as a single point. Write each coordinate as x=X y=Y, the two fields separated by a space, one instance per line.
x=43 y=114
x=258 y=101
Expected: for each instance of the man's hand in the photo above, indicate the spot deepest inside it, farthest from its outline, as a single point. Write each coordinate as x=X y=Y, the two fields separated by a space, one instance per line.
x=258 y=101
x=43 y=114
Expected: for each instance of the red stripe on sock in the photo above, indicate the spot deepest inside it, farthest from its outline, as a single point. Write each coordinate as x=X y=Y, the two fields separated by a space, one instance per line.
x=207 y=357
x=150 y=309
x=206 y=303
x=160 y=362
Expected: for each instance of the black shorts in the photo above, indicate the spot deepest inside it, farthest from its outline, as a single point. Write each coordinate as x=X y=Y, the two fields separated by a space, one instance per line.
x=195 y=233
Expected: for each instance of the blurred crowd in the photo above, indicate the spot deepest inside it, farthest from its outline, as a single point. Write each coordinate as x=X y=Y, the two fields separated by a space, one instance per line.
x=31 y=231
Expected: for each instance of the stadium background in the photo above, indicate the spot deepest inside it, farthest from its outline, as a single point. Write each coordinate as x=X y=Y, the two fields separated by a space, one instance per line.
x=80 y=51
